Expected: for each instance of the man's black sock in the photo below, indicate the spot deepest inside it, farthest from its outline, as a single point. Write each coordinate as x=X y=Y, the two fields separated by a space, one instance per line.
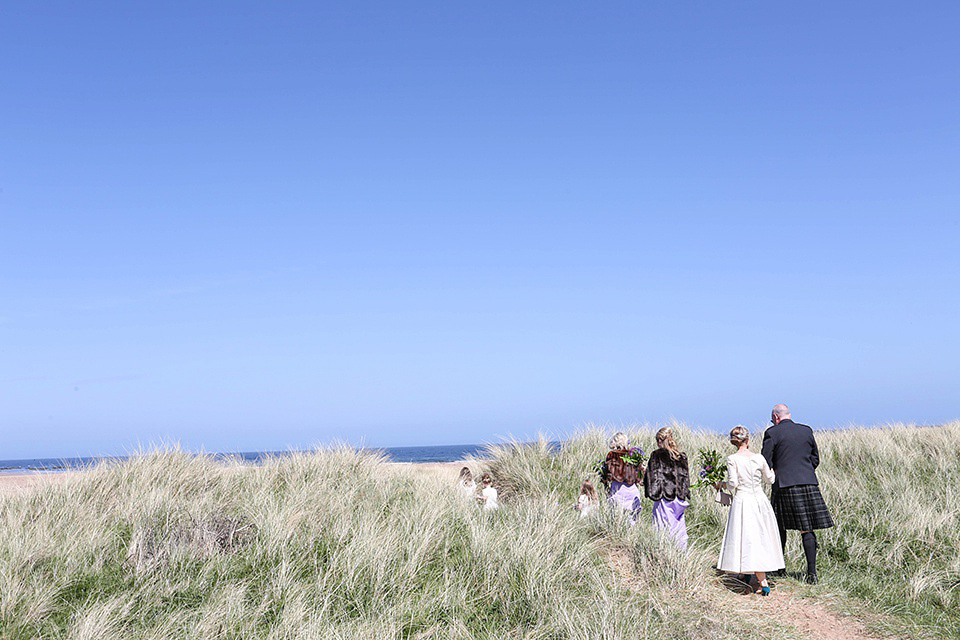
x=810 y=550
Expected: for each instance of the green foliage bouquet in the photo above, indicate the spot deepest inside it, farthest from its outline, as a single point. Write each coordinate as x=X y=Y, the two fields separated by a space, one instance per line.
x=713 y=469
x=636 y=457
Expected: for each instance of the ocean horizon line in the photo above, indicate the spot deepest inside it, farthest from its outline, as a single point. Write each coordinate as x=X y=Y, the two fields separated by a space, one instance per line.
x=404 y=454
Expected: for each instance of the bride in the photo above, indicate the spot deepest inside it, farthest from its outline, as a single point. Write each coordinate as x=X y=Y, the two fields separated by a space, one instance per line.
x=751 y=541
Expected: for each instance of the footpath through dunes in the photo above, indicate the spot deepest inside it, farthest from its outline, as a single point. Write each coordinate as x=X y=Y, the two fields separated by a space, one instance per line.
x=811 y=617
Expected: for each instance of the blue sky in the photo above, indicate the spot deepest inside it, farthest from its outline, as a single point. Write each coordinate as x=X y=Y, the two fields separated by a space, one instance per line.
x=250 y=226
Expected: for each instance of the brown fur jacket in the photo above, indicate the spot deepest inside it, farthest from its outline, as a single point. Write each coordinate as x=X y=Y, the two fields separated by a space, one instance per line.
x=666 y=478
x=616 y=470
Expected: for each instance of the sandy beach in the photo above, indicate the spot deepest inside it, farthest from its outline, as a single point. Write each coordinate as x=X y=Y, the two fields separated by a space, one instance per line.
x=443 y=470
x=19 y=481
x=23 y=480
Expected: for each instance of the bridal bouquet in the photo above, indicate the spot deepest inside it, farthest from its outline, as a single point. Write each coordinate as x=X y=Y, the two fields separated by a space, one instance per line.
x=713 y=468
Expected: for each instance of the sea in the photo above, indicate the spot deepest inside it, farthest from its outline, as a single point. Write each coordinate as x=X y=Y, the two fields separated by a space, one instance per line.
x=433 y=453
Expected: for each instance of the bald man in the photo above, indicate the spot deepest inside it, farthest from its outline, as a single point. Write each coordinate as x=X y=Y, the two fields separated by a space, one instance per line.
x=791 y=451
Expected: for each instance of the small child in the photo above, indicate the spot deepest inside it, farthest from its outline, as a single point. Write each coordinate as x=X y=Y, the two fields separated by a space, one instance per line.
x=488 y=496
x=588 y=502
x=466 y=483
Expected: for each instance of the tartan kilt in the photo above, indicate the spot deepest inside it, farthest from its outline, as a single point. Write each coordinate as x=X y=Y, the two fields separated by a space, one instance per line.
x=801 y=507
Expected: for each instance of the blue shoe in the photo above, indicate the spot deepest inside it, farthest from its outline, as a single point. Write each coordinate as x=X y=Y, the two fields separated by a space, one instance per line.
x=764 y=591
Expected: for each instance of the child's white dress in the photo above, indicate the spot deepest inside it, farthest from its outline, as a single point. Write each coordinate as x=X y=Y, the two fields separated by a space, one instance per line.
x=490 y=498
x=751 y=541
x=585 y=505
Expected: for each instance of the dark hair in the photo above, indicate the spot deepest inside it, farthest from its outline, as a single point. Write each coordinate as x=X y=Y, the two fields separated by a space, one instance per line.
x=465 y=475
x=486 y=479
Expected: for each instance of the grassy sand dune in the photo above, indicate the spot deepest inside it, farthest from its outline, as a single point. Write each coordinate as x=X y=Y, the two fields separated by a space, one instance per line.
x=343 y=545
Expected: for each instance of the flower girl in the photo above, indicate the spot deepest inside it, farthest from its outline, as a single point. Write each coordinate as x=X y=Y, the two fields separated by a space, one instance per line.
x=488 y=496
x=588 y=502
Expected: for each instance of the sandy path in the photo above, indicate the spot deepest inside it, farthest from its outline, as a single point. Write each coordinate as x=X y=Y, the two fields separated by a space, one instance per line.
x=812 y=617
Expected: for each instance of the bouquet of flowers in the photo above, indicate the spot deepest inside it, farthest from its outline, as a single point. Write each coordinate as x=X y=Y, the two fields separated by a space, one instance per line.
x=713 y=468
x=636 y=457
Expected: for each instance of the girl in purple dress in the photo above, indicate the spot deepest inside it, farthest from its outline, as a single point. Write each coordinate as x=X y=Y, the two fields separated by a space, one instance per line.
x=667 y=482
x=621 y=477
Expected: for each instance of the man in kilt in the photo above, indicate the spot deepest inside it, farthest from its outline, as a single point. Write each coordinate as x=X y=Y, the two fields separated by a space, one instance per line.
x=791 y=451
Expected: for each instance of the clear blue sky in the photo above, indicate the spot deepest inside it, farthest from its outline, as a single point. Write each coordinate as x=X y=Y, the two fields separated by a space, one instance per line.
x=249 y=225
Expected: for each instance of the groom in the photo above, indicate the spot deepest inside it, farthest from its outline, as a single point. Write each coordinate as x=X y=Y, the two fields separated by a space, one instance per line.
x=791 y=452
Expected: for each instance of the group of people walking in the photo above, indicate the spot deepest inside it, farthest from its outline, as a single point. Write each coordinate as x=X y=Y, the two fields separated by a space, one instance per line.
x=665 y=480
x=755 y=535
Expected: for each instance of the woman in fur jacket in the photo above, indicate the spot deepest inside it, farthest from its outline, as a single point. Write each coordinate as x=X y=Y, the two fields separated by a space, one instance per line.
x=667 y=482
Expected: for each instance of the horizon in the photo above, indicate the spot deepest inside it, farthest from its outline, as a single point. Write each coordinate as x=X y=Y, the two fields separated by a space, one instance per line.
x=245 y=227
x=151 y=448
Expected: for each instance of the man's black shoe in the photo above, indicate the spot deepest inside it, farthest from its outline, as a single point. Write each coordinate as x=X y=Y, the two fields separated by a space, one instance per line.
x=811 y=578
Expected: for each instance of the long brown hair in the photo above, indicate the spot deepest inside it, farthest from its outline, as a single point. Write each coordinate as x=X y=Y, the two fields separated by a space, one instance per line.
x=588 y=490
x=665 y=440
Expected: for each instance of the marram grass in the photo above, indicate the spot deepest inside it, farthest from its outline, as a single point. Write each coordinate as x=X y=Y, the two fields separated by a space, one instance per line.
x=894 y=491
x=342 y=545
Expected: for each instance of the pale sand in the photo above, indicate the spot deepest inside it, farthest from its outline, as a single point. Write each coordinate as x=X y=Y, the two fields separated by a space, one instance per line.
x=20 y=481
x=441 y=470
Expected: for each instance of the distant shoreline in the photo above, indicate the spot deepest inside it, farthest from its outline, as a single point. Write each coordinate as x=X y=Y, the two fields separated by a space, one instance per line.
x=417 y=455
x=12 y=480
x=432 y=454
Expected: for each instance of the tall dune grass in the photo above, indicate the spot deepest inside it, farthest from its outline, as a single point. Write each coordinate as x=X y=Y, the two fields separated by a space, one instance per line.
x=341 y=545
x=894 y=493
x=332 y=545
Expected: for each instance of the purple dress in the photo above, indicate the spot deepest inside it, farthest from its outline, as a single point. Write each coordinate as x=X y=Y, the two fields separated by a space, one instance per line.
x=626 y=496
x=668 y=516
x=622 y=479
x=667 y=482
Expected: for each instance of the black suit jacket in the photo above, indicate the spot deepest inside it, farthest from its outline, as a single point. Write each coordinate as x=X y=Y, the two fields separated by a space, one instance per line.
x=792 y=453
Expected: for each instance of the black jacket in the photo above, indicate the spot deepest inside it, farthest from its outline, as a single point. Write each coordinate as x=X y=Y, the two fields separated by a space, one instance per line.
x=666 y=478
x=792 y=453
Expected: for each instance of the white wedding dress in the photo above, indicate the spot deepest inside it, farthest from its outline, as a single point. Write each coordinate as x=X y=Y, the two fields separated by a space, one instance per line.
x=751 y=541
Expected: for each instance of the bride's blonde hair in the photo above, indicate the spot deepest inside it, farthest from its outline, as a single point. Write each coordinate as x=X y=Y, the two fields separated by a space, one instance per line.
x=739 y=435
